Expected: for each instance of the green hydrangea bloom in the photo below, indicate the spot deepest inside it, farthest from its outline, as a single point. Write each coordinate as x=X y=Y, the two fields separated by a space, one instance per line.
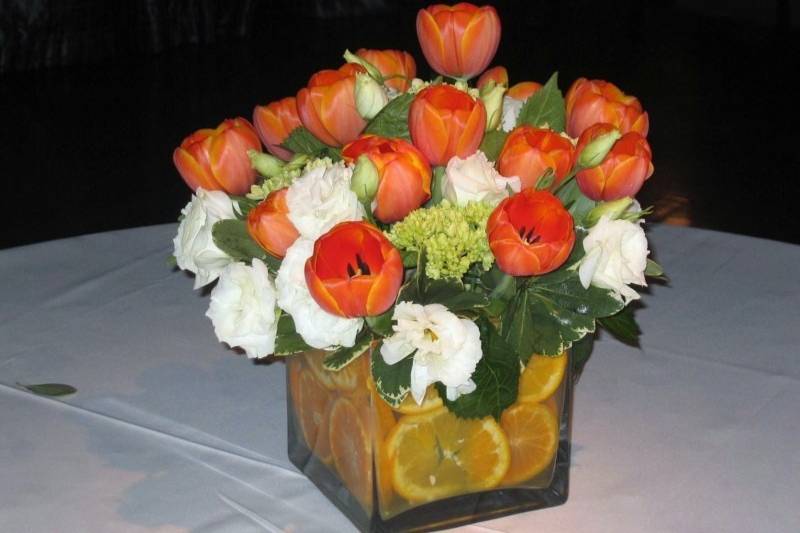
x=453 y=237
x=285 y=177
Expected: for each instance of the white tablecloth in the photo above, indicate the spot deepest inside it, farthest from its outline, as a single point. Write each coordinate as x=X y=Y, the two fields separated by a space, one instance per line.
x=170 y=431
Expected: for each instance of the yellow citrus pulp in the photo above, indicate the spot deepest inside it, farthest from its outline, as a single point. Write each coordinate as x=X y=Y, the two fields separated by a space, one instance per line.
x=410 y=407
x=351 y=450
x=313 y=406
x=436 y=455
x=541 y=377
x=532 y=431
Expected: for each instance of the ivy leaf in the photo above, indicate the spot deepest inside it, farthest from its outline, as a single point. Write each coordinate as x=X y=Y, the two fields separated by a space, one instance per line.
x=392 y=120
x=50 y=389
x=391 y=381
x=302 y=141
x=496 y=378
x=287 y=340
x=231 y=237
x=342 y=357
x=545 y=108
x=493 y=143
x=554 y=311
x=622 y=326
x=579 y=355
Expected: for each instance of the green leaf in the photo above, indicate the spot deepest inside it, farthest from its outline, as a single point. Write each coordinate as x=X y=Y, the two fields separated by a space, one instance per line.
x=231 y=237
x=496 y=378
x=287 y=340
x=545 y=108
x=437 y=187
x=391 y=381
x=342 y=357
x=245 y=205
x=452 y=293
x=381 y=324
x=50 y=389
x=493 y=143
x=501 y=287
x=392 y=120
x=575 y=201
x=653 y=269
x=302 y=141
x=553 y=312
x=622 y=326
x=579 y=355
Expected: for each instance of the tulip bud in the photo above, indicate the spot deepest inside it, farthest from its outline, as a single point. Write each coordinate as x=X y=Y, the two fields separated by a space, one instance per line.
x=370 y=96
x=265 y=164
x=365 y=180
x=612 y=210
x=492 y=96
x=598 y=148
x=371 y=69
x=298 y=161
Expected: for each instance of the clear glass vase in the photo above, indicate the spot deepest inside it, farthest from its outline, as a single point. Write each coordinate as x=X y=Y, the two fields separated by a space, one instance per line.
x=421 y=468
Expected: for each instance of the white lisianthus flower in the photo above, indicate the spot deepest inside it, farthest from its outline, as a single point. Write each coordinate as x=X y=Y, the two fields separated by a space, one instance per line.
x=447 y=348
x=242 y=308
x=318 y=328
x=475 y=179
x=321 y=198
x=616 y=256
x=195 y=250
x=511 y=109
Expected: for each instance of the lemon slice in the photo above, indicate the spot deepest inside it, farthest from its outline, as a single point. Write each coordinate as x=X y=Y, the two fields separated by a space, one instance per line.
x=532 y=431
x=351 y=450
x=541 y=377
x=436 y=455
x=410 y=407
x=313 y=407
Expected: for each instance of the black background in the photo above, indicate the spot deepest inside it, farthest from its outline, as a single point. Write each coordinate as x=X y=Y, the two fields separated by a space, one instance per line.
x=96 y=95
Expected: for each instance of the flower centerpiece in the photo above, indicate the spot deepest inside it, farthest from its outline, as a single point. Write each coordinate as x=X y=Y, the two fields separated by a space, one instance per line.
x=433 y=258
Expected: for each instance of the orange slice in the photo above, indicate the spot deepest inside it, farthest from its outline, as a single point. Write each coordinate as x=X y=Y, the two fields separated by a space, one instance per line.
x=313 y=406
x=347 y=379
x=541 y=377
x=351 y=450
x=410 y=407
x=437 y=455
x=383 y=422
x=532 y=431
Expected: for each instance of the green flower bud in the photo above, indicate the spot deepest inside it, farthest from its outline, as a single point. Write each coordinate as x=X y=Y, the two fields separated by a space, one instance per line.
x=492 y=96
x=612 y=210
x=265 y=164
x=594 y=152
x=370 y=96
x=374 y=73
x=365 y=180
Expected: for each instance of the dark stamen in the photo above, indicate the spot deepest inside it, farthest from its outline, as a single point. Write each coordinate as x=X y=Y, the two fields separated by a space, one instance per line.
x=532 y=237
x=350 y=270
x=362 y=265
x=522 y=232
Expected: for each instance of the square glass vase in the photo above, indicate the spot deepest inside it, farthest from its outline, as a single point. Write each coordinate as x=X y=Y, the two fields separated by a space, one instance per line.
x=419 y=467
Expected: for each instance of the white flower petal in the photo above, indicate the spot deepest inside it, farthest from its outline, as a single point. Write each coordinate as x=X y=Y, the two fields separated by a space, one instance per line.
x=475 y=179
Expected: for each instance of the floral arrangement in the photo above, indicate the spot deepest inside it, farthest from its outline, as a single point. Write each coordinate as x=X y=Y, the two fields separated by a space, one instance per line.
x=454 y=229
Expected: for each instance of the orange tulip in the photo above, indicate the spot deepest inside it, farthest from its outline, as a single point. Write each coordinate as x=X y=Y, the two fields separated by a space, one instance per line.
x=354 y=271
x=216 y=160
x=523 y=90
x=397 y=67
x=458 y=41
x=530 y=233
x=622 y=172
x=593 y=101
x=528 y=152
x=274 y=122
x=403 y=172
x=444 y=122
x=269 y=225
x=327 y=106
x=499 y=75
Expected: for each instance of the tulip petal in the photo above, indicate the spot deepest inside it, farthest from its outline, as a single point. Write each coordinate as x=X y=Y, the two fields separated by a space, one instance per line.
x=309 y=118
x=193 y=173
x=229 y=161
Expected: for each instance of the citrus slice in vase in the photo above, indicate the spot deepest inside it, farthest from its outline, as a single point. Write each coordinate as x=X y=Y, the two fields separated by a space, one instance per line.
x=532 y=431
x=541 y=377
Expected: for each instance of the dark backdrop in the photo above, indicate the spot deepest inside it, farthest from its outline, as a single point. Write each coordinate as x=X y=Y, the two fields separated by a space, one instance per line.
x=95 y=95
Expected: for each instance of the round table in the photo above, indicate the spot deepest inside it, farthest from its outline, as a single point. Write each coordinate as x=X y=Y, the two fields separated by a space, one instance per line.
x=170 y=431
